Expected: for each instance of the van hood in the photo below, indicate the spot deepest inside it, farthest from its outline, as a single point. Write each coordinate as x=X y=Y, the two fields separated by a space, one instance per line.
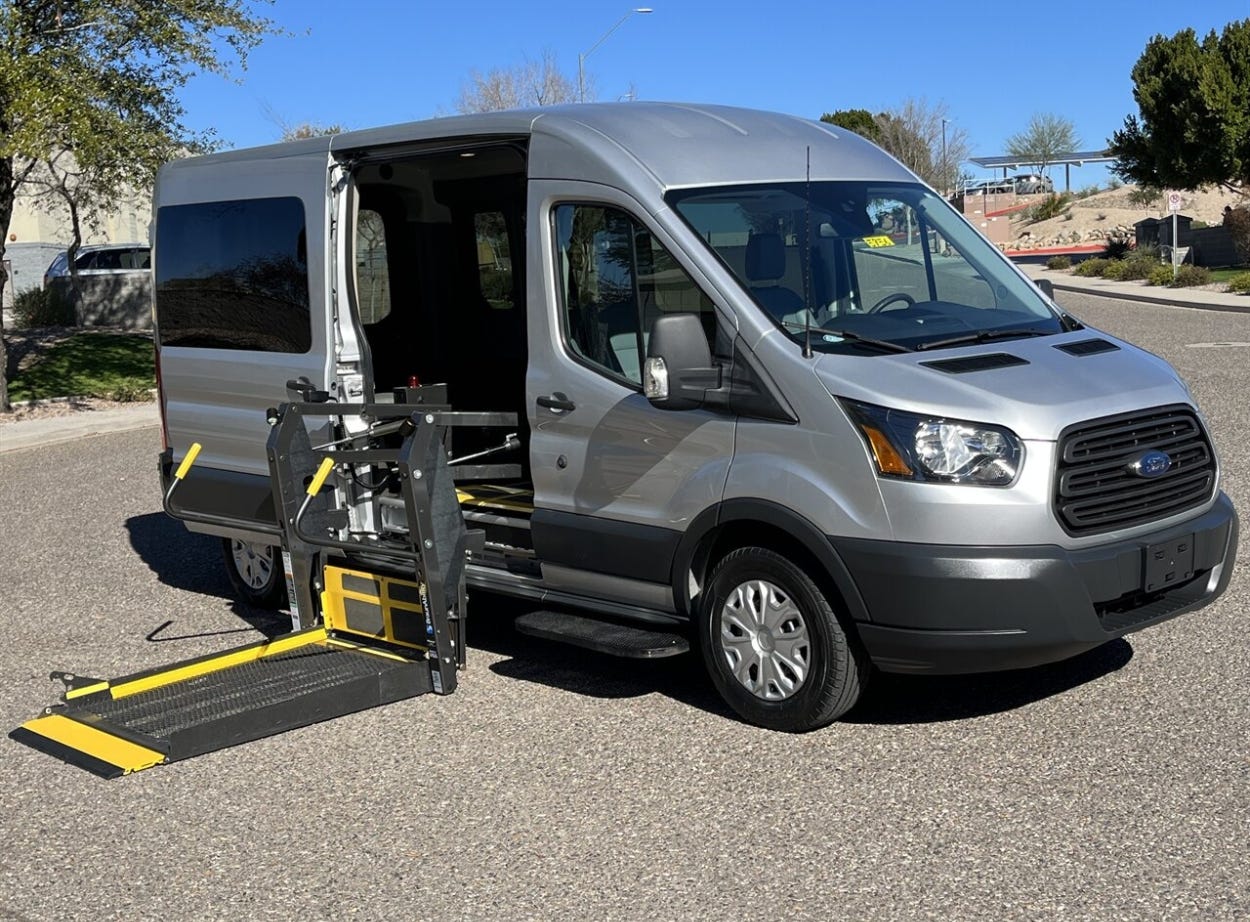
x=1035 y=387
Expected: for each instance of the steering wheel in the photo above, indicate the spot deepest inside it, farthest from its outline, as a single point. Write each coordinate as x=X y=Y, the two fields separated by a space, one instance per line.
x=890 y=299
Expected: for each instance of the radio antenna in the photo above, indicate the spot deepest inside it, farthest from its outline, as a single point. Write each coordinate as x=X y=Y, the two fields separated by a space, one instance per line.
x=807 y=261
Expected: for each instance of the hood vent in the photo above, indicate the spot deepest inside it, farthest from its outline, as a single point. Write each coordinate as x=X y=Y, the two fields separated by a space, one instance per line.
x=970 y=363
x=1088 y=347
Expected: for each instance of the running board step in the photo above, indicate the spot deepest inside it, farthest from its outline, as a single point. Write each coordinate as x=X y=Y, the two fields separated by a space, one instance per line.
x=602 y=636
x=125 y=725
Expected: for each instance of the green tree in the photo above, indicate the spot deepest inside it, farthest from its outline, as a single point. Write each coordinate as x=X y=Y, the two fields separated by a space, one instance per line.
x=1193 y=122
x=860 y=121
x=1046 y=138
x=98 y=80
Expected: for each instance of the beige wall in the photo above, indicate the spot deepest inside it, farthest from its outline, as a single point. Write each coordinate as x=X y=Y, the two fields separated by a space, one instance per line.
x=33 y=223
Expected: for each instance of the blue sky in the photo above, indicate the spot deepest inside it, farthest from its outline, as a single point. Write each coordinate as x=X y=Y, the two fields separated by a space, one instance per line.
x=363 y=63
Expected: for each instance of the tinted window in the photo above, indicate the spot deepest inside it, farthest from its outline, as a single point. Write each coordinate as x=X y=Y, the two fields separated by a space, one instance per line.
x=616 y=279
x=233 y=275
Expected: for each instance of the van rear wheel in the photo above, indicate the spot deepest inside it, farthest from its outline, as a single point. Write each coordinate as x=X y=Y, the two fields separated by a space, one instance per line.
x=773 y=644
x=255 y=571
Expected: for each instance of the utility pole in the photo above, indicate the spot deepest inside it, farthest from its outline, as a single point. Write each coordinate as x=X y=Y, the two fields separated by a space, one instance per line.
x=581 y=58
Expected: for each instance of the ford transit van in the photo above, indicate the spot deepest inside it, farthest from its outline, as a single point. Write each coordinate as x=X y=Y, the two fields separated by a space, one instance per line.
x=772 y=393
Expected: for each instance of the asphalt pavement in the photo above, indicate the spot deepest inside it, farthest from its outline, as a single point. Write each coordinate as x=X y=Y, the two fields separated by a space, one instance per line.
x=559 y=784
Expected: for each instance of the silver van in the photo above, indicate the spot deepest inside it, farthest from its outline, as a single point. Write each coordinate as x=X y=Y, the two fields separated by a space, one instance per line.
x=772 y=393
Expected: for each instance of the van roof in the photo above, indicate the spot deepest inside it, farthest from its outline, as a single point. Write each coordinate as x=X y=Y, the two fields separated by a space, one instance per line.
x=679 y=144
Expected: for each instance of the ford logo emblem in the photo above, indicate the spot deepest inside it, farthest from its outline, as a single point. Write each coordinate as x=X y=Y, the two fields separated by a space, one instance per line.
x=1151 y=464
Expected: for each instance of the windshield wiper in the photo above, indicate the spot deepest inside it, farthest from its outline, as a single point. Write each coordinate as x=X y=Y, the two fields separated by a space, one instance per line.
x=867 y=340
x=983 y=336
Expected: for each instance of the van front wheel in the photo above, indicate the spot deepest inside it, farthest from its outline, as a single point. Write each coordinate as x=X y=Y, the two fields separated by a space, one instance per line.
x=255 y=571
x=774 y=646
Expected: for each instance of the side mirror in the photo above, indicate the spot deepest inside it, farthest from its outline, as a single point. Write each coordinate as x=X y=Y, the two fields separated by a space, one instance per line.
x=678 y=372
x=1047 y=287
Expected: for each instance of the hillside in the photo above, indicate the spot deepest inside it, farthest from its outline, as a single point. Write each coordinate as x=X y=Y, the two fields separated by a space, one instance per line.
x=1108 y=213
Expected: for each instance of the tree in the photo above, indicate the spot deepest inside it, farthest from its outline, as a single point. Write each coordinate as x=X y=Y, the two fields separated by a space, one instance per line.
x=306 y=130
x=860 y=121
x=529 y=84
x=918 y=134
x=1044 y=141
x=1193 y=100
x=97 y=80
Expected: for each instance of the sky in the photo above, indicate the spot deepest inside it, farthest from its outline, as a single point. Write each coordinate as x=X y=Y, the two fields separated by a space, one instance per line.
x=365 y=63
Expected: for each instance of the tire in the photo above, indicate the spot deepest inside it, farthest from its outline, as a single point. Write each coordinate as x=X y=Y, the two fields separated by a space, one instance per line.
x=788 y=663
x=255 y=571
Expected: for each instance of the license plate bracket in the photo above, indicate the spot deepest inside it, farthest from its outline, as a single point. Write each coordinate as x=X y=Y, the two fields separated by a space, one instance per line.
x=1168 y=563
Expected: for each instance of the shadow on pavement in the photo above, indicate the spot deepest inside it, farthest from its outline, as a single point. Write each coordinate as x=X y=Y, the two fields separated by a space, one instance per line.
x=903 y=699
x=193 y=563
x=890 y=699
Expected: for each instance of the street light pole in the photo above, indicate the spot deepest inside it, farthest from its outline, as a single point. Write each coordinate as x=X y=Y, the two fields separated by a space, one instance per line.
x=945 y=168
x=581 y=58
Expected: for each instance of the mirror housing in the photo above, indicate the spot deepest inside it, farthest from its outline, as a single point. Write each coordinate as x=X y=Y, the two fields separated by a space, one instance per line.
x=1047 y=287
x=678 y=371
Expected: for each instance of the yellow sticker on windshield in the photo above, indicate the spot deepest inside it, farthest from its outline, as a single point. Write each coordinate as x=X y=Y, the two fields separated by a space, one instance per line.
x=881 y=241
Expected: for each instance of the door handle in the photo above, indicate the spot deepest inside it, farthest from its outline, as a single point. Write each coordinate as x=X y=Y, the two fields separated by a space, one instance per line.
x=557 y=401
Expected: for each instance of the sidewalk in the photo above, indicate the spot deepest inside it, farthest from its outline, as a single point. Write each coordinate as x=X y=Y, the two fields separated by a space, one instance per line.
x=33 y=433
x=1136 y=291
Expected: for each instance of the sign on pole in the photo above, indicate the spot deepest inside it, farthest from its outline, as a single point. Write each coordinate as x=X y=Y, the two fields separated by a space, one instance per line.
x=1174 y=202
x=1174 y=205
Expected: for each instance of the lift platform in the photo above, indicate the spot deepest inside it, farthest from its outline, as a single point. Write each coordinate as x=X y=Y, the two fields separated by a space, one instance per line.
x=374 y=548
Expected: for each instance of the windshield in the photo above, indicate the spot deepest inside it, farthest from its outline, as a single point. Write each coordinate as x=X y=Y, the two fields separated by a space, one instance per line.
x=868 y=266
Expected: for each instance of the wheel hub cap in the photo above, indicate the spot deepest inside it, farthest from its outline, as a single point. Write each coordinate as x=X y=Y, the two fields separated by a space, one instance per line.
x=764 y=640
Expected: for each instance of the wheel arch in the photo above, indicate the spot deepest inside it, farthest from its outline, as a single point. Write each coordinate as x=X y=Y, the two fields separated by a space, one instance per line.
x=736 y=523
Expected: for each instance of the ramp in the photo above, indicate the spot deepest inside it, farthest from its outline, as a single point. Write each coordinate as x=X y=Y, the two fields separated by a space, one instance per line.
x=113 y=728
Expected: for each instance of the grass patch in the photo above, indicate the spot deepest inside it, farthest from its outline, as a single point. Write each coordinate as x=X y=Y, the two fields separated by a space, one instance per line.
x=1228 y=273
x=111 y=366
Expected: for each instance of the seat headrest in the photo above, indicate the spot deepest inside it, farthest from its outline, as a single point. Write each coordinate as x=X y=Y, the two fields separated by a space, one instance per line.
x=766 y=257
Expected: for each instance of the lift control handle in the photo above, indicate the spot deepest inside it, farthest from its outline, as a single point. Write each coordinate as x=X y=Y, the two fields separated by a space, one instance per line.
x=192 y=453
x=327 y=465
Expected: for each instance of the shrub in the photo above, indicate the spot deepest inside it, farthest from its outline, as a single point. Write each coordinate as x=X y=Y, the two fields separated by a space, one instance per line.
x=1091 y=267
x=1138 y=266
x=1114 y=183
x=1114 y=270
x=1240 y=284
x=1116 y=248
x=1089 y=190
x=1160 y=275
x=1188 y=276
x=1144 y=196
x=1050 y=207
x=43 y=307
x=1059 y=262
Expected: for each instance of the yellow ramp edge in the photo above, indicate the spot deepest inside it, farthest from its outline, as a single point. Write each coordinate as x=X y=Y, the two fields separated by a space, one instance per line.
x=178 y=673
x=64 y=737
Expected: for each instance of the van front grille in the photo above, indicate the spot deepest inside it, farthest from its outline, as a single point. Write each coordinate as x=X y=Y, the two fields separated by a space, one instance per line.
x=1096 y=488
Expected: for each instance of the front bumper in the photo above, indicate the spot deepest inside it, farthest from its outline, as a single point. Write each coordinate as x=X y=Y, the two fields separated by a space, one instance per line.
x=941 y=609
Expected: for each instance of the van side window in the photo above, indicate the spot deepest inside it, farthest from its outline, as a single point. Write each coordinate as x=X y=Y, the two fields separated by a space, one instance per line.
x=373 y=281
x=616 y=279
x=234 y=275
x=494 y=259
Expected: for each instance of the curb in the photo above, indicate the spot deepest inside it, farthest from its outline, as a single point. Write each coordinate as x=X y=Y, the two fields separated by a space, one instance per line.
x=1151 y=299
x=37 y=433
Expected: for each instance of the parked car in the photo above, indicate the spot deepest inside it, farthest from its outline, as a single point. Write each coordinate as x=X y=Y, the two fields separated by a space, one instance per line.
x=1032 y=183
x=101 y=260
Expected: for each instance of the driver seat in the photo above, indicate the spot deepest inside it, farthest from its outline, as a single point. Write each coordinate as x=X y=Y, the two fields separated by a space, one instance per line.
x=765 y=265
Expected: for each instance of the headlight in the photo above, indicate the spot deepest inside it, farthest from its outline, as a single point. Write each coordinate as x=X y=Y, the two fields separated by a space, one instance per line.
x=914 y=447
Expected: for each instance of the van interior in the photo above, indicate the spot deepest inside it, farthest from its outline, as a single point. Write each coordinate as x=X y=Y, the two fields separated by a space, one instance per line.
x=439 y=257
